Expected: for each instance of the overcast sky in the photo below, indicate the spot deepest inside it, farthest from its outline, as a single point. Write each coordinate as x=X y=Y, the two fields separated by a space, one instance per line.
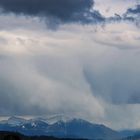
x=73 y=57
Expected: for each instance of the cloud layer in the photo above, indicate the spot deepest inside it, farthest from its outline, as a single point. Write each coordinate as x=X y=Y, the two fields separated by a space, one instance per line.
x=89 y=71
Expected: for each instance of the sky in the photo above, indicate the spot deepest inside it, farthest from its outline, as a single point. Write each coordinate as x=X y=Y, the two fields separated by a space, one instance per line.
x=79 y=58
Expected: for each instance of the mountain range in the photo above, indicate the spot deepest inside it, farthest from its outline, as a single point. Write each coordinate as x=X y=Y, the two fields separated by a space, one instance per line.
x=59 y=126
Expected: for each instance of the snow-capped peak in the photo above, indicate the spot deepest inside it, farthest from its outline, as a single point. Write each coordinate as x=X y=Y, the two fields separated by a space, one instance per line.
x=56 y=118
x=50 y=120
x=16 y=121
x=33 y=124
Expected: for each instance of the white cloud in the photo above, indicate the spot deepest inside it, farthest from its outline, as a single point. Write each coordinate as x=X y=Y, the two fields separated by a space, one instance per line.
x=111 y=7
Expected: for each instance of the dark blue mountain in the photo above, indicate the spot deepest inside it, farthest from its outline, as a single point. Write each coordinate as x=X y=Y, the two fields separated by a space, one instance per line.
x=73 y=128
x=82 y=129
x=128 y=133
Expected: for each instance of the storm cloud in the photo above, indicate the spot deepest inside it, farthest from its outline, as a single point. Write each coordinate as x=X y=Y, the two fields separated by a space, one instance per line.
x=57 y=10
x=135 y=10
x=133 y=14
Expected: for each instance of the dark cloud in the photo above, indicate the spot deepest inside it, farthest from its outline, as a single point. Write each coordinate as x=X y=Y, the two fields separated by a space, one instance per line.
x=135 y=10
x=133 y=15
x=63 y=10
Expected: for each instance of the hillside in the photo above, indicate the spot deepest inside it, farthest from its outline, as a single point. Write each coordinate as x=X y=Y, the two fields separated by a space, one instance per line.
x=17 y=136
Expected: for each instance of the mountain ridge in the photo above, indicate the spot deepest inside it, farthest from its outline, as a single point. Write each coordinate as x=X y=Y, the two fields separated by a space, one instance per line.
x=70 y=128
